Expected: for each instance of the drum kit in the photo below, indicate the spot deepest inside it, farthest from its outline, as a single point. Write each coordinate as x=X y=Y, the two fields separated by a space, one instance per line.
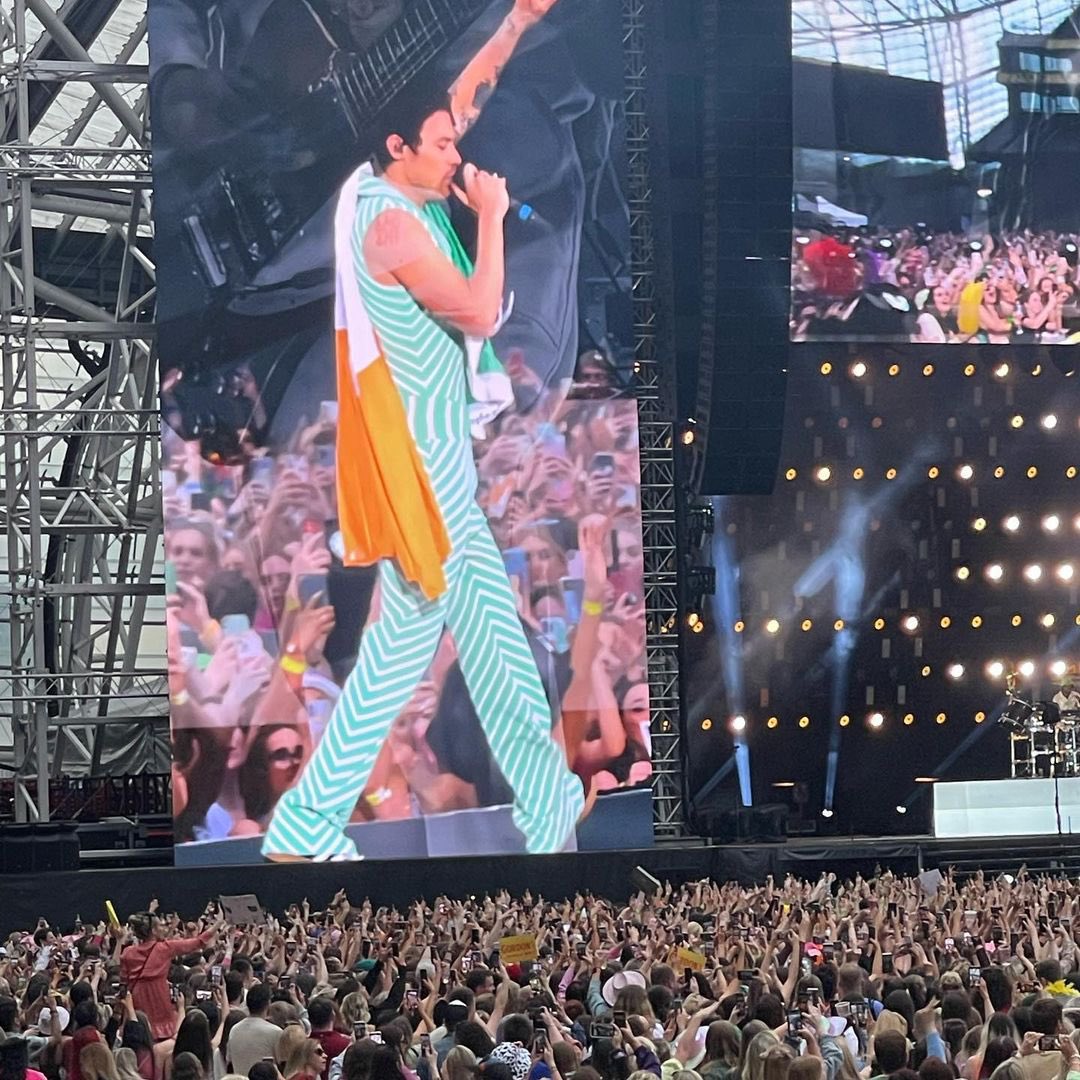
x=1044 y=740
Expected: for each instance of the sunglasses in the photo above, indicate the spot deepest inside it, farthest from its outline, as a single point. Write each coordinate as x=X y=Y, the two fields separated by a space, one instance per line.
x=284 y=756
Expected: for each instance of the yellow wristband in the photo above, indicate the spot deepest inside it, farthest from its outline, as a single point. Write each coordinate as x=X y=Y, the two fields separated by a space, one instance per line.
x=293 y=665
x=592 y=607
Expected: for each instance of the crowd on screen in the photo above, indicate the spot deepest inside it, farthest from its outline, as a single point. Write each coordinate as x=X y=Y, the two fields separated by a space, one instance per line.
x=1028 y=283
x=792 y=980
x=254 y=552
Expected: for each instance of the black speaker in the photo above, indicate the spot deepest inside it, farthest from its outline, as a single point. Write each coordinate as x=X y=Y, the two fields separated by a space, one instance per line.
x=39 y=847
x=766 y=824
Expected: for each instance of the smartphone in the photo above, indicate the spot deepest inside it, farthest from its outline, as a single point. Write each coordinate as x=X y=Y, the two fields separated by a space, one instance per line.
x=215 y=975
x=582 y=948
x=308 y=586
x=200 y=500
x=425 y=1043
x=1048 y=1042
x=974 y=976
x=886 y=963
x=376 y=1037
x=477 y=957
x=619 y=1016
x=412 y=999
x=359 y=1030
x=285 y=982
x=262 y=471
x=950 y=943
x=517 y=565
x=573 y=590
x=746 y=975
x=203 y=995
x=539 y=1042
x=860 y=1012
x=794 y=1023
x=476 y=937
x=828 y=951
x=602 y=463
x=235 y=625
x=600 y=1029
x=843 y=1008
x=121 y=991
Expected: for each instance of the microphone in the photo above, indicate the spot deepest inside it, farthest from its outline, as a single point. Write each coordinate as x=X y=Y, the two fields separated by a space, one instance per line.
x=523 y=211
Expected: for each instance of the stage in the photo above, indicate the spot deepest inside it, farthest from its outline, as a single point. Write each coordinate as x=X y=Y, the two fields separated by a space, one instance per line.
x=59 y=896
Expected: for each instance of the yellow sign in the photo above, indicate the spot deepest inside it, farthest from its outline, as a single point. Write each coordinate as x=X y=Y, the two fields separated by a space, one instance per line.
x=688 y=958
x=518 y=949
x=110 y=911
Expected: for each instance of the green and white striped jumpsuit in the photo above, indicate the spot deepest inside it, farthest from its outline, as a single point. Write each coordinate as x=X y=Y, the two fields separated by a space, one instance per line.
x=428 y=367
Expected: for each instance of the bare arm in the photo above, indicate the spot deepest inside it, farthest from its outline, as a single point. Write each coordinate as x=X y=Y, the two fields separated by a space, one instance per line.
x=399 y=249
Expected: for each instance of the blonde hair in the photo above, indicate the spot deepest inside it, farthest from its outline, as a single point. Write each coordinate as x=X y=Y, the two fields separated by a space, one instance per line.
x=354 y=1008
x=127 y=1064
x=97 y=1063
x=460 y=1064
x=290 y=1039
x=299 y=1055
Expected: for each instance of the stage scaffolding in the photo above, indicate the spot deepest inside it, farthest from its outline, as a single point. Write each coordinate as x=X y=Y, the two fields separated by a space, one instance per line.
x=82 y=665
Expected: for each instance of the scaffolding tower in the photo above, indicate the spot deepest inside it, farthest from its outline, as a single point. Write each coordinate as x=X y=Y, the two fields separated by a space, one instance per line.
x=83 y=678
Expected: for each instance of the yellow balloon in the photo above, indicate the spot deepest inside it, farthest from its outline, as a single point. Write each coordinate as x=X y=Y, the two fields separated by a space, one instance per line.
x=967 y=314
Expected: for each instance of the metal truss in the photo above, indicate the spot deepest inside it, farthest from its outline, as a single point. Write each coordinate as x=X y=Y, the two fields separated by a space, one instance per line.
x=82 y=673
x=658 y=482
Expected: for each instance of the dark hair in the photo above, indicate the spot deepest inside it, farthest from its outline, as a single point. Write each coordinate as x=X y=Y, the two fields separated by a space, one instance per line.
x=258 y=998
x=933 y=1068
x=14 y=1058
x=80 y=992
x=136 y=1035
x=890 y=1051
x=1049 y=970
x=211 y=752
x=85 y=1014
x=1046 y=1016
x=193 y=1037
x=142 y=924
x=475 y=1036
x=953 y=1032
x=320 y=1012
x=516 y=1028
x=263 y=1070
x=899 y=1001
x=477 y=977
x=770 y=1009
x=234 y=986
x=660 y=998
x=253 y=775
x=367 y=1060
x=997 y=1051
x=187 y=1067
x=955 y=1005
x=406 y=116
x=999 y=987
x=9 y=1013
x=228 y=592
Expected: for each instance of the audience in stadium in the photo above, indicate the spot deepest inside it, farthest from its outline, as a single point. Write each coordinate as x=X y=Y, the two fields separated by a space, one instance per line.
x=256 y=574
x=794 y=980
x=1006 y=288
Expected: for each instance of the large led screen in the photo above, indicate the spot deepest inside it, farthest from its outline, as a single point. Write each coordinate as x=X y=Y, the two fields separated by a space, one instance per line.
x=400 y=462
x=936 y=171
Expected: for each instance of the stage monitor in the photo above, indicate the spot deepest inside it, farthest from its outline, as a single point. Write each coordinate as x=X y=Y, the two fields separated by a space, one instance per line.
x=935 y=173
x=399 y=451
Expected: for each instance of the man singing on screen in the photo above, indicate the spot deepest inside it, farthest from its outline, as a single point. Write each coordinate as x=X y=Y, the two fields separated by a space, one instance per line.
x=413 y=314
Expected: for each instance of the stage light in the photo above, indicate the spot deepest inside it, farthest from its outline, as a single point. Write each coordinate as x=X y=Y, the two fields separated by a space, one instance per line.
x=894 y=369
x=980 y=716
x=826 y=368
x=965 y=472
x=772 y=626
x=1037 y=370
x=890 y=474
x=879 y=623
x=1033 y=572
x=738 y=724
x=1032 y=472
x=909 y=719
x=802 y=239
x=1026 y=668
x=858 y=369
x=1049 y=422
x=999 y=472
x=739 y=626
x=772 y=723
x=687 y=437
x=706 y=724
x=791 y=474
x=1058 y=668
x=941 y=718
x=962 y=573
x=928 y=370
x=1011 y=523
x=857 y=474
x=806 y=624
x=823 y=474
x=979 y=524
x=901 y=808
x=693 y=619
x=1017 y=421
x=956 y=671
x=1001 y=370
x=826 y=813
x=925 y=779
x=925 y=671
x=969 y=369
x=933 y=472
x=1047 y=620
x=976 y=621
x=1017 y=620
x=698 y=627
x=984 y=192
x=875 y=721
x=945 y=622
x=911 y=623
x=804 y=721
x=838 y=625
x=995 y=669
x=995 y=571
x=1051 y=523
x=845 y=720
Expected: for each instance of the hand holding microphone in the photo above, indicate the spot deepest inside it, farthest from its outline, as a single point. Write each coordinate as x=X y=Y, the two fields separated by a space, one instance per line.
x=484 y=193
